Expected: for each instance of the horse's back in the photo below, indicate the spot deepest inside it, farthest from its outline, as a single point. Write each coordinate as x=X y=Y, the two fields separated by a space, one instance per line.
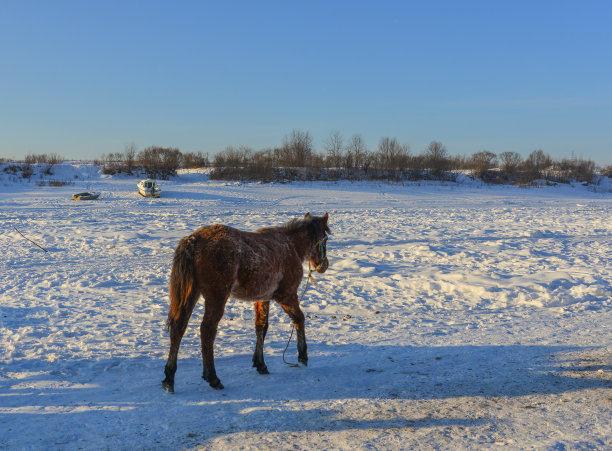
x=216 y=258
x=249 y=265
x=223 y=240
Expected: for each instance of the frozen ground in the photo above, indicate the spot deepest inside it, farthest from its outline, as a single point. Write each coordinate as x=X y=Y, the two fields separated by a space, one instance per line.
x=452 y=316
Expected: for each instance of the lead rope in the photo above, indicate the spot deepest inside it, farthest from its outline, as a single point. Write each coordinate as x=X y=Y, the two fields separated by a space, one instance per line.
x=292 y=325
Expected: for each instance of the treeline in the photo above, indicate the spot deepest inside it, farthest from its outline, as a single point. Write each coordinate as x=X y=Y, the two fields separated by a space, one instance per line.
x=391 y=161
x=154 y=161
x=296 y=159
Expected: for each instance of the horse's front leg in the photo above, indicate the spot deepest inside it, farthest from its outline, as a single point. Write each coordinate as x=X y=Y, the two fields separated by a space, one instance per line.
x=262 y=309
x=213 y=311
x=291 y=305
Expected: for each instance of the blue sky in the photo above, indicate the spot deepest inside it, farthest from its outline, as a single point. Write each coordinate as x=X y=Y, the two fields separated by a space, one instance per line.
x=85 y=78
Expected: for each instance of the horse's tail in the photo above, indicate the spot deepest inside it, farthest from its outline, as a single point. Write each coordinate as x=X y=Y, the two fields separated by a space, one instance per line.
x=182 y=282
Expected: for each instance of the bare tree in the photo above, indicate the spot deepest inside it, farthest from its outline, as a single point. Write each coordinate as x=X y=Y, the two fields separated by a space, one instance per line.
x=436 y=150
x=535 y=164
x=195 y=160
x=263 y=159
x=539 y=159
x=160 y=161
x=356 y=153
x=333 y=147
x=510 y=162
x=392 y=155
x=233 y=157
x=297 y=149
x=481 y=162
x=129 y=154
x=436 y=157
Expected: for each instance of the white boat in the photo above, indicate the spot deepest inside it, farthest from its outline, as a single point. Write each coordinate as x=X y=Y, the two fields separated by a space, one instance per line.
x=149 y=188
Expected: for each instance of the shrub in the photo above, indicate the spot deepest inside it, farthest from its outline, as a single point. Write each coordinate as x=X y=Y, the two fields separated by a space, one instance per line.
x=12 y=168
x=27 y=170
x=296 y=150
x=59 y=183
x=482 y=162
x=436 y=158
x=195 y=160
x=509 y=164
x=391 y=155
x=580 y=170
x=160 y=162
x=114 y=163
x=233 y=157
x=533 y=167
x=108 y=170
x=49 y=160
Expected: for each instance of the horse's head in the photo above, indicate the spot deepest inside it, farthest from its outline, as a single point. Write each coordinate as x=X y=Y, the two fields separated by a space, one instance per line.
x=319 y=231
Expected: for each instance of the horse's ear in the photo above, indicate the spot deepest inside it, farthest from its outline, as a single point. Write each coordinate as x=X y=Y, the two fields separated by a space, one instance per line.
x=307 y=215
x=325 y=217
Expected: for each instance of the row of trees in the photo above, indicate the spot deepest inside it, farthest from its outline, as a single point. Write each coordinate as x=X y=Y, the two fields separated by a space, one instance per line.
x=391 y=160
x=340 y=159
x=154 y=161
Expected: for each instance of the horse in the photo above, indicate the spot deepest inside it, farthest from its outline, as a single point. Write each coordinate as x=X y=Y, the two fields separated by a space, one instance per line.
x=219 y=261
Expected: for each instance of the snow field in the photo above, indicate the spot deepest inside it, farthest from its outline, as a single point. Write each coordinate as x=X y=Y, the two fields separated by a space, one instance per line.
x=454 y=316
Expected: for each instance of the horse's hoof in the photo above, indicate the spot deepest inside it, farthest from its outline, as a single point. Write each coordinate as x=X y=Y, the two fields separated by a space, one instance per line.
x=303 y=361
x=168 y=386
x=217 y=385
x=214 y=382
x=263 y=370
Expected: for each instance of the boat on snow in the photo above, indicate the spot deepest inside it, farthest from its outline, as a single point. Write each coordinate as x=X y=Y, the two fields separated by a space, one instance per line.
x=85 y=196
x=149 y=188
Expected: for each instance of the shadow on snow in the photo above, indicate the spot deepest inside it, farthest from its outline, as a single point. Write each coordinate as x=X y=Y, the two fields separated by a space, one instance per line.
x=97 y=397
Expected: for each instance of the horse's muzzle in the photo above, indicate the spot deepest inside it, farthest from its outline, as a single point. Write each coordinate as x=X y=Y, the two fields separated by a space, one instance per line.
x=323 y=266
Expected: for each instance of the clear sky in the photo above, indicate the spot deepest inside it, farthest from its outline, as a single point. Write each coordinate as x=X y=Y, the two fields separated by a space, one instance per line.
x=85 y=78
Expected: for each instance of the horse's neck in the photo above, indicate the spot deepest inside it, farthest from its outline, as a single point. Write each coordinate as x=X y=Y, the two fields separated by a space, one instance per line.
x=300 y=243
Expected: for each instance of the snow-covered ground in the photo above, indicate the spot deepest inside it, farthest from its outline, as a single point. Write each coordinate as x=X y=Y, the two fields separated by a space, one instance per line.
x=452 y=316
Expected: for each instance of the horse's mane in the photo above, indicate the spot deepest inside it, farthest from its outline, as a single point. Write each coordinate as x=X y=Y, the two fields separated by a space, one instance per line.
x=296 y=225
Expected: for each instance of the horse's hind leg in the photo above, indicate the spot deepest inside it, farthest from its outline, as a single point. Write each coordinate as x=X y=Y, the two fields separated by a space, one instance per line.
x=177 y=330
x=262 y=309
x=291 y=305
x=213 y=311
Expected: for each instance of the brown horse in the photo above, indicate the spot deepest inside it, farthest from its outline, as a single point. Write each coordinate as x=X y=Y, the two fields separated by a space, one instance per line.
x=219 y=261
